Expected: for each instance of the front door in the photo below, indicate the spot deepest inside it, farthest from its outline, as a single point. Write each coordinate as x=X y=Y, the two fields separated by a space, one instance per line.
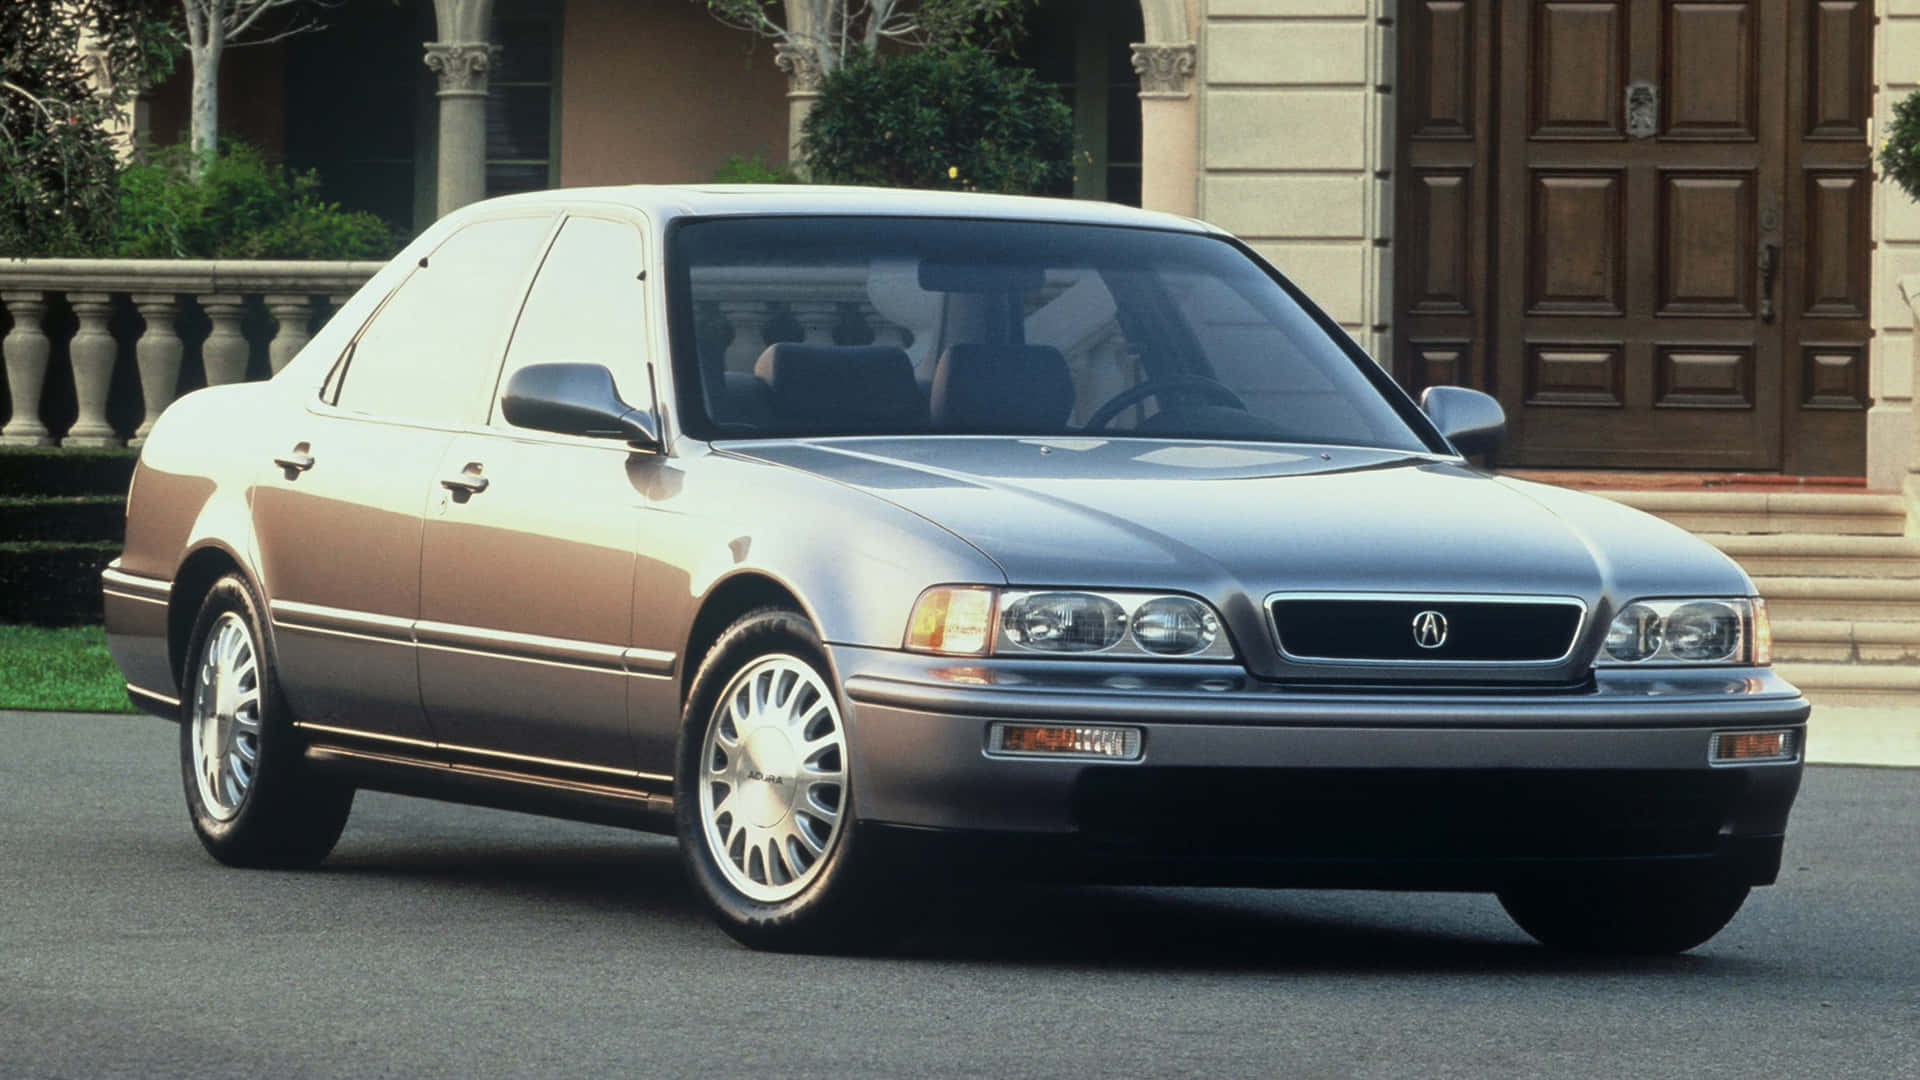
x=1642 y=224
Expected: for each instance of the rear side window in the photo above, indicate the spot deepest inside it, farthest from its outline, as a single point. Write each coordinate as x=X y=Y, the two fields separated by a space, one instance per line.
x=587 y=306
x=431 y=353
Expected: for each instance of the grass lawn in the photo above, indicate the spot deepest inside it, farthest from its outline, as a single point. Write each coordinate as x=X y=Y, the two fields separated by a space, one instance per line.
x=59 y=668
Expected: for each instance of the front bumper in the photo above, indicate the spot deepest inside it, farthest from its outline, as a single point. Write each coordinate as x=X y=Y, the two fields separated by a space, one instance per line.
x=1241 y=780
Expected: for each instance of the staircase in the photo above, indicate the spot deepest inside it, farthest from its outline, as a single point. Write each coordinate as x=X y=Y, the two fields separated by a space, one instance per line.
x=1840 y=572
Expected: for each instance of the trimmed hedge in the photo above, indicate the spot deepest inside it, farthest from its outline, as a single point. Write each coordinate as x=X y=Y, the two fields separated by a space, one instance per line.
x=62 y=515
x=53 y=583
x=30 y=471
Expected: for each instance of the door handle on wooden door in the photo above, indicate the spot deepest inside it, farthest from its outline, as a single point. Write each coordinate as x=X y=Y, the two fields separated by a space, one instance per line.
x=1769 y=269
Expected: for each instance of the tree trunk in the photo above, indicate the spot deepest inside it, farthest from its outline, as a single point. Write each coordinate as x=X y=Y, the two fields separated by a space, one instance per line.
x=205 y=111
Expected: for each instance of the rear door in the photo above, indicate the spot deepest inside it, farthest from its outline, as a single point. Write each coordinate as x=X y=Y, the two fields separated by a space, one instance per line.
x=337 y=514
x=528 y=559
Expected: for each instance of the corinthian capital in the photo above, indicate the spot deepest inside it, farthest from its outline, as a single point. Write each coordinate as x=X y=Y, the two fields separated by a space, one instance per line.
x=802 y=65
x=1166 y=71
x=461 y=65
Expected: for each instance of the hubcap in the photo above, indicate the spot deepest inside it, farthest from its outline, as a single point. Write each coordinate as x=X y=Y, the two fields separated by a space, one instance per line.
x=225 y=724
x=773 y=778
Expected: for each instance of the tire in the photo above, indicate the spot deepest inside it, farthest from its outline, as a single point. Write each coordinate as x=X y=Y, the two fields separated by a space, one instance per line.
x=1651 y=914
x=763 y=797
x=250 y=798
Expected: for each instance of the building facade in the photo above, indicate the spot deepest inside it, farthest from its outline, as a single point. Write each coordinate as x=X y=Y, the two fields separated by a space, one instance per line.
x=1650 y=227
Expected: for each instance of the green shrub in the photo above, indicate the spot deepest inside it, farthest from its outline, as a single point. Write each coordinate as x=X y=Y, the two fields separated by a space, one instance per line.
x=753 y=170
x=1900 y=153
x=939 y=118
x=240 y=207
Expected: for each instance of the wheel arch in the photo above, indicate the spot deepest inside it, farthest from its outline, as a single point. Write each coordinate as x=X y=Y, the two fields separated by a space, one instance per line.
x=198 y=572
x=723 y=605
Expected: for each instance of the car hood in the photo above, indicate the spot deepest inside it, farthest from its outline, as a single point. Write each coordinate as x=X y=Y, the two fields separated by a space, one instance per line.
x=1164 y=514
x=1237 y=523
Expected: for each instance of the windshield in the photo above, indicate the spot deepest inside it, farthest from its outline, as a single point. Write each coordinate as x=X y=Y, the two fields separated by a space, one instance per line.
x=799 y=326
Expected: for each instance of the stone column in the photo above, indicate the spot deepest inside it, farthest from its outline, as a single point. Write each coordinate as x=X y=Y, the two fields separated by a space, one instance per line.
x=92 y=351
x=462 y=70
x=1887 y=449
x=158 y=355
x=1169 y=127
x=291 y=314
x=225 y=352
x=27 y=350
x=804 y=75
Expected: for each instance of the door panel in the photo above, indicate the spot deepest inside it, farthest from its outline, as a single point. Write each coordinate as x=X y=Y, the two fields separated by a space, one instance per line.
x=343 y=626
x=1660 y=258
x=527 y=601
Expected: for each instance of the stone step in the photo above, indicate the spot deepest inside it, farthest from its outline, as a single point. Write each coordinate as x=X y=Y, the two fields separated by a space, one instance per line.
x=1821 y=554
x=1871 y=641
x=1857 y=599
x=1829 y=684
x=1867 y=514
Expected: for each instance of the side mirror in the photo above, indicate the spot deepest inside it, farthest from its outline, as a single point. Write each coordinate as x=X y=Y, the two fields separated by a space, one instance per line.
x=1472 y=421
x=576 y=399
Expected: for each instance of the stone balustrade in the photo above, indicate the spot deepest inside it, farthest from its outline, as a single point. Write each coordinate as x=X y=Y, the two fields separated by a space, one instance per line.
x=89 y=316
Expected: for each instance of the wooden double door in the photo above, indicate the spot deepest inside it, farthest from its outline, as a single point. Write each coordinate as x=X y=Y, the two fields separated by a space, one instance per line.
x=1642 y=224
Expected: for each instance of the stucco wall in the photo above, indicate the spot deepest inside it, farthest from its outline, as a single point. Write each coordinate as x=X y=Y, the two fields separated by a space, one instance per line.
x=1896 y=234
x=1293 y=136
x=656 y=91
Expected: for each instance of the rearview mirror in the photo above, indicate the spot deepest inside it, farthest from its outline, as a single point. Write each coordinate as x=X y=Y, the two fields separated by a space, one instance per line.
x=576 y=399
x=1472 y=421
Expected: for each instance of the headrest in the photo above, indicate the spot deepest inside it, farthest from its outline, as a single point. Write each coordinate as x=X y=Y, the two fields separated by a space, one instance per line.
x=1023 y=389
x=842 y=388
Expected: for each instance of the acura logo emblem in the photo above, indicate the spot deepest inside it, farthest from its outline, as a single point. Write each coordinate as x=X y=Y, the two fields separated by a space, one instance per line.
x=1430 y=629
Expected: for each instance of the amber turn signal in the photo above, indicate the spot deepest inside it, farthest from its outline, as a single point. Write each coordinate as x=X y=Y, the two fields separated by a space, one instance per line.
x=1735 y=746
x=1048 y=740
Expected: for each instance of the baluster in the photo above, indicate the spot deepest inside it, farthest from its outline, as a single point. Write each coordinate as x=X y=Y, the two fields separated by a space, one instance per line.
x=885 y=330
x=225 y=352
x=92 y=351
x=157 y=352
x=27 y=350
x=749 y=320
x=817 y=318
x=292 y=313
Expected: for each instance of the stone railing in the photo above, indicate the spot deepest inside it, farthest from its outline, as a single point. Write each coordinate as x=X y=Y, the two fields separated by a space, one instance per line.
x=181 y=323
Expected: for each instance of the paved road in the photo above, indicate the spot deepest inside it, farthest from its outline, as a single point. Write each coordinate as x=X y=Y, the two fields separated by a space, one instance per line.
x=445 y=941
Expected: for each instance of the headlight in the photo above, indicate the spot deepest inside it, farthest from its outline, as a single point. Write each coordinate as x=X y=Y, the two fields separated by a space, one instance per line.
x=1070 y=622
x=973 y=620
x=1689 y=631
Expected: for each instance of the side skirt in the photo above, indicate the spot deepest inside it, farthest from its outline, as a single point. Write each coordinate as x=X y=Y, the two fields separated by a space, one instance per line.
x=383 y=769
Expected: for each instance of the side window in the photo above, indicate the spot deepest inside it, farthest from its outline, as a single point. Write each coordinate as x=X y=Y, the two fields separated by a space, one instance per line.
x=587 y=306
x=432 y=351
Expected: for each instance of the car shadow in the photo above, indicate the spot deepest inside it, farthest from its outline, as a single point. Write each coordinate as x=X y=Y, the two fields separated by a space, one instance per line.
x=1017 y=924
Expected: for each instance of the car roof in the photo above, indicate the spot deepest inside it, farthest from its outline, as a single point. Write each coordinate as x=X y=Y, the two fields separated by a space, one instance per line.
x=663 y=202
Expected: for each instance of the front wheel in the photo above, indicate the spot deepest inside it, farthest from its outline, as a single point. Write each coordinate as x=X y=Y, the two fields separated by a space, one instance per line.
x=763 y=793
x=249 y=796
x=1626 y=914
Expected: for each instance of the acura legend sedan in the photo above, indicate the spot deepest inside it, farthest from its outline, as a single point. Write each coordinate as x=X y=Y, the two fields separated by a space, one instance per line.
x=875 y=542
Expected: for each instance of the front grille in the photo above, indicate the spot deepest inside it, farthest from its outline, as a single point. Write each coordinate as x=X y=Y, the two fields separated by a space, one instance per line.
x=1404 y=813
x=1382 y=629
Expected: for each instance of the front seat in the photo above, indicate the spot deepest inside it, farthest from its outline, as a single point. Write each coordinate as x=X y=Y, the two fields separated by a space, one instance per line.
x=1002 y=389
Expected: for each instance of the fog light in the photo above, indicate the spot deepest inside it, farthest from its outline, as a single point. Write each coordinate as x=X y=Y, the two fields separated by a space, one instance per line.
x=1751 y=746
x=1046 y=740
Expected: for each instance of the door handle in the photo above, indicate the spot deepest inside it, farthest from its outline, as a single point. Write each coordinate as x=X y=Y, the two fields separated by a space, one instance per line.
x=295 y=461
x=1769 y=269
x=465 y=483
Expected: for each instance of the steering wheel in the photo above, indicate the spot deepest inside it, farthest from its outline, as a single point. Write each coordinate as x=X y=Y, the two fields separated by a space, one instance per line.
x=1141 y=391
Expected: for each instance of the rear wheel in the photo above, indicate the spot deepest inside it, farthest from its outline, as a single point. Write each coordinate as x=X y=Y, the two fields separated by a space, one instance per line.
x=763 y=793
x=249 y=796
x=1626 y=914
